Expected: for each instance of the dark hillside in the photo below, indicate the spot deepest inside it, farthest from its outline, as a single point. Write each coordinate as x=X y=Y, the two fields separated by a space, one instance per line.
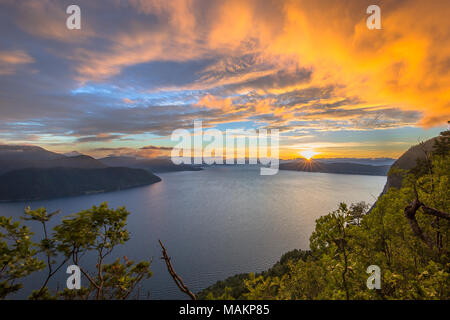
x=37 y=183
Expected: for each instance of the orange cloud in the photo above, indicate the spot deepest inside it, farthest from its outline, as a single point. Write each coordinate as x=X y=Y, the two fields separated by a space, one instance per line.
x=401 y=65
x=211 y=102
x=405 y=65
x=10 y=60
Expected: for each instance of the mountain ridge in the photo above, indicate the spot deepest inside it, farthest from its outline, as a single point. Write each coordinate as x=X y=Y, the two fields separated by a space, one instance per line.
x=47 y=183
x=158 y=165
x=335 y=167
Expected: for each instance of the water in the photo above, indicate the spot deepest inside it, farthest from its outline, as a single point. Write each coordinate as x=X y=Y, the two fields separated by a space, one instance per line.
x=216 y=222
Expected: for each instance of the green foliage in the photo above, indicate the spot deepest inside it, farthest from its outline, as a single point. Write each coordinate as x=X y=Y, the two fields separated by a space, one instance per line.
x=17 y=256
x=96 y=231
x=99 y=229
x=121 y=278
x=234 y=287
x=442 y=145
x=117 y=281
x=47 y=245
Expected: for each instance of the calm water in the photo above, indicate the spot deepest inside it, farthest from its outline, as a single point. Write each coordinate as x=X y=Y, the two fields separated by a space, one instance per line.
x=217 y=222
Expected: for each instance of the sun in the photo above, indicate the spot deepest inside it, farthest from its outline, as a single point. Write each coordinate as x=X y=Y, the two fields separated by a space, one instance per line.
x=308 y=154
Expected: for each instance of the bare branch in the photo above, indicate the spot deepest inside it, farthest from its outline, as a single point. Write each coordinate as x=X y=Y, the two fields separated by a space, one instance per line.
x=436 y=213
x=410 y=214
x=178 y=281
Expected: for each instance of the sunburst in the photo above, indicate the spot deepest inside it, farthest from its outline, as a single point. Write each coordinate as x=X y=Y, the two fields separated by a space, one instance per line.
x=308 y=154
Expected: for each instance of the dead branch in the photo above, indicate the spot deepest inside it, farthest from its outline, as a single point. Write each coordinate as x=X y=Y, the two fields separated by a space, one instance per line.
x=410 y=214
x=436 y=213
x=178 y=281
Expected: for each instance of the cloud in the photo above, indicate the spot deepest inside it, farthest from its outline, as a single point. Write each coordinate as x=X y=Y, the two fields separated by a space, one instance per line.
x=10 y=61
x=401 y=64
x=397 y=65
x=143 y=152
x=156 y=148
x=47 y=19
x=101 y=137
x=147 y=67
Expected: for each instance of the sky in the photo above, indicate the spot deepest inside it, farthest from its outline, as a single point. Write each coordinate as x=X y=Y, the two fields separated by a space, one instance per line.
x=138 y=70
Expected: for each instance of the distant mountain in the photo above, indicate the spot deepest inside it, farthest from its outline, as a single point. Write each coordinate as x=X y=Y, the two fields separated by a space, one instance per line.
x=30 y=173
x=45 y=183
x=17 y=157
x=82 y=161
x=22 y=153
x=21 y=157
x=368 y=161
x=157 y=165
x=73 y=154
x=333 y=167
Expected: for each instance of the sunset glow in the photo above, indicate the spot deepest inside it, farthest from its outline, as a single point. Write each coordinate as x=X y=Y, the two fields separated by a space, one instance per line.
x=319 y=76
x=308 y=154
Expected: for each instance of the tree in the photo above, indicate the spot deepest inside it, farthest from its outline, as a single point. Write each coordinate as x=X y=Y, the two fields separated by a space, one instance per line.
x=442 y=144
x=97 y=230
x=46 y=246
x=17 y=256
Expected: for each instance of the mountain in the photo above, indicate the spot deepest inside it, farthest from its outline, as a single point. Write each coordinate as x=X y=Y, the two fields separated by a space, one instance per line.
x=407 y=161
x=73 y=154
x=21 y=157
x=15 y=157
x=45 y=183
x=81 y=161
x=369 y=161
x=23 y=153
x=335 y=167
x=31 y=173
x=157 y=165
